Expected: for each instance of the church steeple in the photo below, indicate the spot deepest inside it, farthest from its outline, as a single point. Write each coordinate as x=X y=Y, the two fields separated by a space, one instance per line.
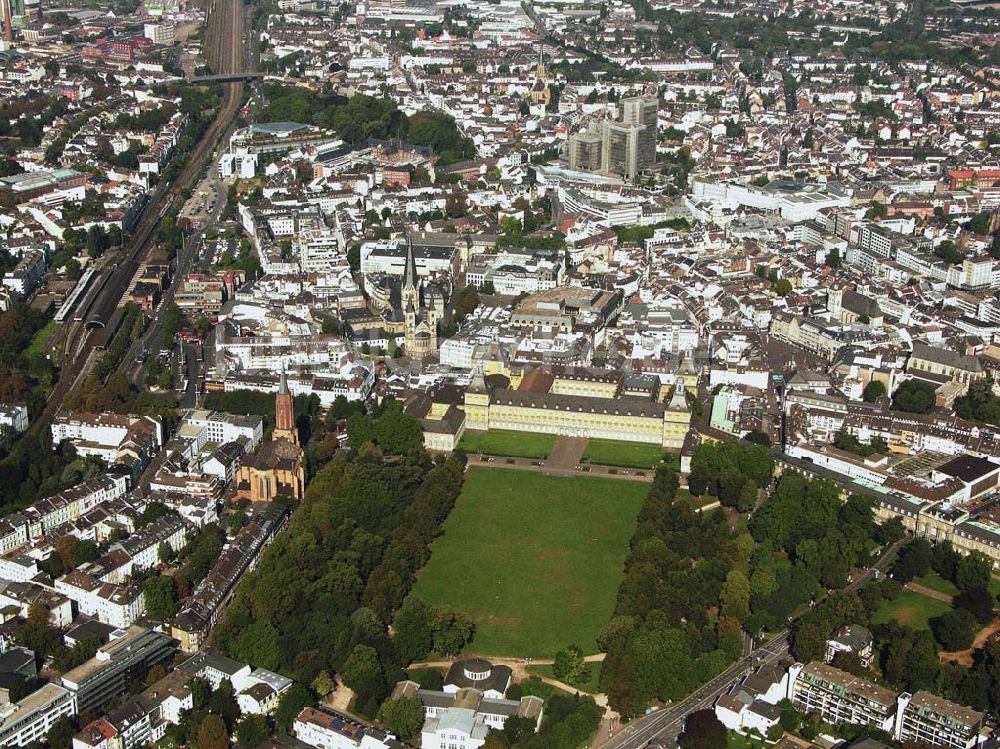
x=284 y=413
x=410 y=273
x=411 y=282
x=419 y=316
x=540 y=93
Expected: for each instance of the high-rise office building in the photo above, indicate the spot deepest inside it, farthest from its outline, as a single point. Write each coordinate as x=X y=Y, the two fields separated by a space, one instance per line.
x=586 y=151
x=624 y=148
x=643 y=111
x=621 y=149
x=640 y=110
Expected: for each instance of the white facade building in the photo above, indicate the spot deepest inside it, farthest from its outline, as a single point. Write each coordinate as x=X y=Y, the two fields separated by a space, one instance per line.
x=28 y=721
x=14 y=416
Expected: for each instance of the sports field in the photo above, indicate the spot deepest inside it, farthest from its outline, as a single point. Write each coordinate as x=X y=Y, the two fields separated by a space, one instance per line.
x=535 y=560
x=508 y=444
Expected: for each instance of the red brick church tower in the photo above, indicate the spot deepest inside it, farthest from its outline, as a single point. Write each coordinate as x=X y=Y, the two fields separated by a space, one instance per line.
x=284 y=414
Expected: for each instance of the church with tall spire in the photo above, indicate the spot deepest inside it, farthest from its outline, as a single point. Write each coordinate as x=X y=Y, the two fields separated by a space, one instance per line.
x=419 y=319
x=540 y=93
x=284 y=413
x=277 y=469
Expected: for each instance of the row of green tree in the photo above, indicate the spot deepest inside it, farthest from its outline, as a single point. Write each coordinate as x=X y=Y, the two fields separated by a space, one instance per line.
x=734 y=472
x=907 y=659
x=118 y=394
x=323 y=596
x=26 y=372
x=661 y=642
x=980 y=403
x=970 y=574
x=392 y=430
x=685 y=565
x=568 y=723
x=807 y=541
x=641 y=233
x=512 y=234
x=362 y=117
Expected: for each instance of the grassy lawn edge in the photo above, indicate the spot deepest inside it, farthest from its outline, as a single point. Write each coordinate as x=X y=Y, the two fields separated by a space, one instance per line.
x=535 y=560
x=508 y=444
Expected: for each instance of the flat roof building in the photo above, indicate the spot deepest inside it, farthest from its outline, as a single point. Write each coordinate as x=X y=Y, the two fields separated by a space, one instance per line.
x=121 y=663
x=927 y=718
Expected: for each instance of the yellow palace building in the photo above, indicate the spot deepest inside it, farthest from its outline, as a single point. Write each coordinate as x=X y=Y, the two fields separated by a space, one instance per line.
x=581 y=403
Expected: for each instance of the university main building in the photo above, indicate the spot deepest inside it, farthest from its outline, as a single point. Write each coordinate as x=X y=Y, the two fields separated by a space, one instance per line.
x=572 y=401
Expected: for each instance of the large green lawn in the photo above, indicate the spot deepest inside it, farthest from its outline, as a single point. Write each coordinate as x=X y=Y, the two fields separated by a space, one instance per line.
x=911 y=609
x=508 y=444
x=535 y=560
x=934 y=581
x=624 y=454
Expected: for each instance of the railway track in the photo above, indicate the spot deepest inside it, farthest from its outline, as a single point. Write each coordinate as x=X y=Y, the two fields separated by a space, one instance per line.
x=227 y=24
x=224 y=39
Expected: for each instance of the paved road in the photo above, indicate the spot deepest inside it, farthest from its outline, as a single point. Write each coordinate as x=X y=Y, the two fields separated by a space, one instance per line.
x=567 y=452
x=928 y=592
x=666 y=724
x=150 y=340
x=526 y=464
x=227 y=25
x=108 y=287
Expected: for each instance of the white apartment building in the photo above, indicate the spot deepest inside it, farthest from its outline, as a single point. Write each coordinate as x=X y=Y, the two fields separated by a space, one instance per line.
x=106 y=429
x=324 y=728
x=457 y=353
x=461 y=719
x=220 y=428
x=840 y=697
x=23 y=595
x=759 y=378
x=513 y=273
x=14 y=416
x=18 y=568
x=142 y=549
x=25 y=722
x=67 y=506
x=454 y=728
x=926 y=718
x=131 y=440
x=13 y=532
x=320 y=253
x=159 y=33
x=25 y=277
x=353 y=382
x=112 y=604
x=243 y=166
